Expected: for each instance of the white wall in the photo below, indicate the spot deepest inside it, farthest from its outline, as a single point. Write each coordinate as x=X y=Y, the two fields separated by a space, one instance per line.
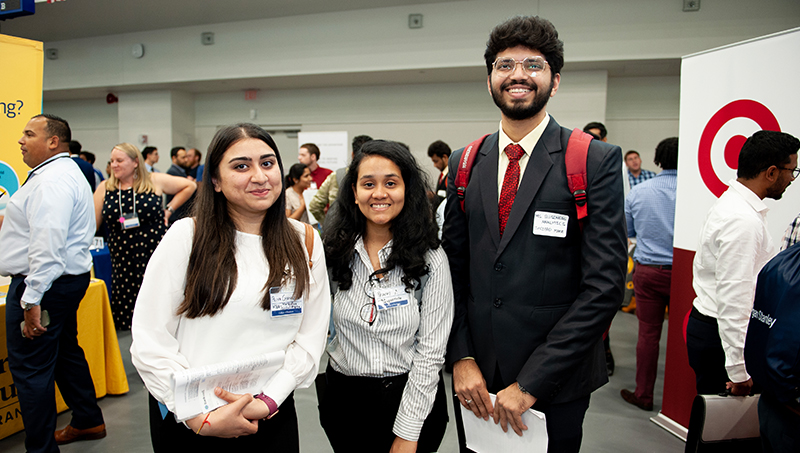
x=641 y=112
x=93 y=122
x=416 y=115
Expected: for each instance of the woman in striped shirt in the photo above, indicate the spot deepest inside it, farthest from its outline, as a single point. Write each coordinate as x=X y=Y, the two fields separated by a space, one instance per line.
x=393 y=308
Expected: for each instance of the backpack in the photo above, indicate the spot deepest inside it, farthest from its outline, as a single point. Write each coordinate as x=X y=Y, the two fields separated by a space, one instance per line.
x=575 y=160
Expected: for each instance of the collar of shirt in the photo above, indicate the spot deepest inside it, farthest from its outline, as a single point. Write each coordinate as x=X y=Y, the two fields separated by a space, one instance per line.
x=36 y=168
x=749 y=196
x=383 y=253
x=527 y=143
x=446 y=170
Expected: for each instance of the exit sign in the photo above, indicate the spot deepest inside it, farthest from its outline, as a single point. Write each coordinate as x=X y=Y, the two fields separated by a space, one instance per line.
x=10 y=9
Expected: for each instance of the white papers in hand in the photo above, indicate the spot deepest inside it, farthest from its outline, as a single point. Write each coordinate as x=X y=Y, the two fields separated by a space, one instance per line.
x=486 y=437
x=194 y=388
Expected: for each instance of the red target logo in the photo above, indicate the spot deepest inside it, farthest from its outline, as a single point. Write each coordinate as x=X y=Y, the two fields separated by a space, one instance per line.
x=743 y=108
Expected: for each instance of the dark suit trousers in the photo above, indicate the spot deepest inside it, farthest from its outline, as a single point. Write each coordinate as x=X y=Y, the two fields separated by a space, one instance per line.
x=706 y=356
x=564 y=421
x=55 y=356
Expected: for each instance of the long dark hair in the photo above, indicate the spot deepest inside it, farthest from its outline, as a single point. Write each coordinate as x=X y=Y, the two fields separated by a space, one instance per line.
x=211 y=275
x=414 y=230
x=295 y=173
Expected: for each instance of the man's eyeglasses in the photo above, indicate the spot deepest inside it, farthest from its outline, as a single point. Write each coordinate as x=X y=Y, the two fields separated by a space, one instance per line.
x=531 y=65
x=795 y=171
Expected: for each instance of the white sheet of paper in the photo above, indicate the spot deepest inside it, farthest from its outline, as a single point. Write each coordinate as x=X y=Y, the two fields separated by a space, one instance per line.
x=194 y=387
x=486 y=437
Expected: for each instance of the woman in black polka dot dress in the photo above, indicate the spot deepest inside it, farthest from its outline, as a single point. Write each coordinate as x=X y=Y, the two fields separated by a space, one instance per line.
x=135 y=223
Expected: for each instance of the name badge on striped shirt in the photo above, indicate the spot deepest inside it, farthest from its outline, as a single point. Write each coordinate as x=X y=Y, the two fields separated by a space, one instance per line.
x=282 y=303
x=388 y=298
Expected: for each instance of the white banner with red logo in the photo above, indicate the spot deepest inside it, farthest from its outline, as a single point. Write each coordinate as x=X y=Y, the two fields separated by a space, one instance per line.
x=727 y=94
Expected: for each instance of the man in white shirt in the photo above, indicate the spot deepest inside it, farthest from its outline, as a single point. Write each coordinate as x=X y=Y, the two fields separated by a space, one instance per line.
x=734 y=245
x=44 y=247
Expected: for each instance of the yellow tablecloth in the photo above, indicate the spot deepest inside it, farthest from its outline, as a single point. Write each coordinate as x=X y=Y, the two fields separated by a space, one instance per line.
x=98 y=338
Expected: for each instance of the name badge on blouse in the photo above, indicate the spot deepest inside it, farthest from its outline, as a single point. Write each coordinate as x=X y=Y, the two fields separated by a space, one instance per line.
x=550 y=224
x=388 y=298
x=129 y=221
x=282 y=303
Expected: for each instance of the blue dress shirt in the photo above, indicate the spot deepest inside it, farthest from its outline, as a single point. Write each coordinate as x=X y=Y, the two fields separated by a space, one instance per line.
x=650 y=214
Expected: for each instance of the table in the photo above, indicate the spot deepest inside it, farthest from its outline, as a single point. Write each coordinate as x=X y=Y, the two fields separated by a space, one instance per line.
x=98 y=338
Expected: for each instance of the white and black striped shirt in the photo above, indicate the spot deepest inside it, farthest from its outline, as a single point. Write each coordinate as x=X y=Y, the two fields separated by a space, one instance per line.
x=407 y=339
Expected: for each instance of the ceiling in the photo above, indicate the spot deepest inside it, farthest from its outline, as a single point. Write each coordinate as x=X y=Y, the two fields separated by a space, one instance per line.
x=72 y=19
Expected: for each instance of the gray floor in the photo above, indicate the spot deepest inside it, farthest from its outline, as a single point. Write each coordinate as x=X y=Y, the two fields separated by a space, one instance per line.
x=611 y=424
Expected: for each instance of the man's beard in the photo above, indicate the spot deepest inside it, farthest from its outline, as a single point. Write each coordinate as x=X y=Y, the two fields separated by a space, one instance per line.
x=521 y=111
x=775 y=192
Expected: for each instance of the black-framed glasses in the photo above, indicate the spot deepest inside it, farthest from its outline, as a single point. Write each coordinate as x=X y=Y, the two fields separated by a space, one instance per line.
x=369 y=311
x=795 y=171
x=531 y=65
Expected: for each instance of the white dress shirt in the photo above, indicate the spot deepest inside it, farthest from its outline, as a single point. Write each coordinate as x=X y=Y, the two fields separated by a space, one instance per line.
x=527 y=143
x=401 y=340
x=48 y=227
x=734 y=246
x=164 y=342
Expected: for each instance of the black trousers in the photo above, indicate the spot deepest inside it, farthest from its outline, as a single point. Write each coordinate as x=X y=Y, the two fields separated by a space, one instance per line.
x=564 y=421
x=278 y=434
x=55 y=356
x=706 y=356
x=358 y=413
x=779 y=426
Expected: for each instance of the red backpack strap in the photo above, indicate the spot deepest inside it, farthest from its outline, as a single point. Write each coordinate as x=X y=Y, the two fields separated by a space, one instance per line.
x=575 y=160
x=465 y=167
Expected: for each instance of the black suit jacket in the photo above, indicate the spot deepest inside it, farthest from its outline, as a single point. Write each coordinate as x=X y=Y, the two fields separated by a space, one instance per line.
x=535 y=307
x=186 y=208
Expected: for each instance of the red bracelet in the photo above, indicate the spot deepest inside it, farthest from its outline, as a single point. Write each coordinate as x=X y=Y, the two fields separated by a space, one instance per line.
x=271 y=405
x=205 y=422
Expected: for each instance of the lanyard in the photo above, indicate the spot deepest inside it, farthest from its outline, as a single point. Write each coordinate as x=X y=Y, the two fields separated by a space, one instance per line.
x=133 y=195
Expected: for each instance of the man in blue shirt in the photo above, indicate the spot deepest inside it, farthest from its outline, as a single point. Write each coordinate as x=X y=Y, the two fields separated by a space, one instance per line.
x=650 y=215
x=44 y=248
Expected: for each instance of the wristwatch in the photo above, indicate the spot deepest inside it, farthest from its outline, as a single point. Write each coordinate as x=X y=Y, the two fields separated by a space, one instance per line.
x=522 y=389
x=169 y=208
x=26 y=306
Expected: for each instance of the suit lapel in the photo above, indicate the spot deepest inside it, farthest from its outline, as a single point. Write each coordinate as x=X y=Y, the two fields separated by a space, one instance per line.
x=538 y=166
x=486 y=175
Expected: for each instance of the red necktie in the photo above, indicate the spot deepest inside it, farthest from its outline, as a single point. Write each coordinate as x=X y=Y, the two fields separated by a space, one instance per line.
x=510 y=183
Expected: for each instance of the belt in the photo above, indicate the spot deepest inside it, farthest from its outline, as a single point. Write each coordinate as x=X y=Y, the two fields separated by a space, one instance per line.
x=663 y=267
x=701 y=317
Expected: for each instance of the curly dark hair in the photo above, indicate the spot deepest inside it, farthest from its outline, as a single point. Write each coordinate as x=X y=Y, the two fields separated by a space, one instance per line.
x=532 y=32
x=414 y=230
x=667 y=154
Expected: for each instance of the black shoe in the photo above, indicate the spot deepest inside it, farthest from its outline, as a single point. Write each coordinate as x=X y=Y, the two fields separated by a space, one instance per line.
x=631 y=398
x=610 y=362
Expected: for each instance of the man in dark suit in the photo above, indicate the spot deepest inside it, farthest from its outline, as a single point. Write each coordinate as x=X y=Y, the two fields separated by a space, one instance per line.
x=534 y=289
x=178 y=168
x=439 y=152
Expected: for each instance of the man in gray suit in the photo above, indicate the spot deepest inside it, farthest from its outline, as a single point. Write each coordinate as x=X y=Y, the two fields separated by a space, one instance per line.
x=534 y=288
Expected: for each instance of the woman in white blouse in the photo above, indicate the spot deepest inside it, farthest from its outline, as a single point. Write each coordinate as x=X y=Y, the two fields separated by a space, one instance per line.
x=211 y=294
x=393 y=308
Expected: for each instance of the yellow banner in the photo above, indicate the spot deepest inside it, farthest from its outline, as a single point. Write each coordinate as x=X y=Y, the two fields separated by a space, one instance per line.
x=21 y=69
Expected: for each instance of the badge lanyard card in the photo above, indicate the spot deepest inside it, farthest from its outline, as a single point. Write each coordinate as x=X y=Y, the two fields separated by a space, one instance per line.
x=128 y=219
